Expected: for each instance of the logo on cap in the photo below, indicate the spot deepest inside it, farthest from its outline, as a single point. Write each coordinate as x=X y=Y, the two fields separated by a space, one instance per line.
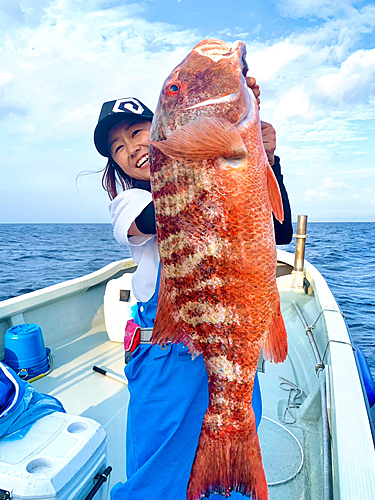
x=122 y=105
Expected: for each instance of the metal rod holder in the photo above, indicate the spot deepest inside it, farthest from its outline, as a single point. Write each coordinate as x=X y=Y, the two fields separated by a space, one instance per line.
x=299 y=255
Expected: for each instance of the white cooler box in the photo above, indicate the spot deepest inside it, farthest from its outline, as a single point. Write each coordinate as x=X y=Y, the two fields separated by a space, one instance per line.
x=57 y=457
x=118 y=301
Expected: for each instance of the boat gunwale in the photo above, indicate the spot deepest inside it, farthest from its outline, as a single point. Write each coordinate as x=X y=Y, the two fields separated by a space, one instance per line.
x=17 y=305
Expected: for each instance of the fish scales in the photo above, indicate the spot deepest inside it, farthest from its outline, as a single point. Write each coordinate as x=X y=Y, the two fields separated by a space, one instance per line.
x=214 y=195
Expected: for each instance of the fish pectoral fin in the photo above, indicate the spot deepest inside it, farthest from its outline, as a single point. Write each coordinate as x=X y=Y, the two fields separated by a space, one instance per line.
x=275 y=348
x=166 y=320
x=168 y=327
x=203 y=138
x=274 y=194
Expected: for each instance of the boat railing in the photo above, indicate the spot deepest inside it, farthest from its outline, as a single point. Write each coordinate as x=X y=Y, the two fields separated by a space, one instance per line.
x=327 y=460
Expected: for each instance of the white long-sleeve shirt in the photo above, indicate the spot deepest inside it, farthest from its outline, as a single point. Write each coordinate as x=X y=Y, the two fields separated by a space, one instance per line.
x=124 y=209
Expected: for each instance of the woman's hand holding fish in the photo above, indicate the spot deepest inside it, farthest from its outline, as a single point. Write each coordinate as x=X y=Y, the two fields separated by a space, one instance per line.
x=252 y=84
x=268 y=132
x=269 y=141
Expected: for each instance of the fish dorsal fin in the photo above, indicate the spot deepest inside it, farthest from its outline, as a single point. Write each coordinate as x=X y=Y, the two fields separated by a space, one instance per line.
x=274 y=194
x=203 y=138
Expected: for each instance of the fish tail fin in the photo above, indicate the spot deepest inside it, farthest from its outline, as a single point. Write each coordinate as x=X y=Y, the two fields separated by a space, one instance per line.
x=223 y=465
x=274 y=194
x=275 y=347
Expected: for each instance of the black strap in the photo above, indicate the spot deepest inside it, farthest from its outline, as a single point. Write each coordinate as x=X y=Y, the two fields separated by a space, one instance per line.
x=283 y=232
x=146 y=185
x=146 y=220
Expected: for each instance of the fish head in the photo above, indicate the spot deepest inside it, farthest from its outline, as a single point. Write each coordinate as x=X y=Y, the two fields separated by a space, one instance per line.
x=209 y=82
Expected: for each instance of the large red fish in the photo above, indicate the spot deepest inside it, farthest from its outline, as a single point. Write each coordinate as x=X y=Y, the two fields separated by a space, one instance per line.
x=214 y=194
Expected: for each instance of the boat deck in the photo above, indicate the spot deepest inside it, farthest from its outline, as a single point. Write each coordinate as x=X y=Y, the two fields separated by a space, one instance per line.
x=85 y=392
x=71 y=316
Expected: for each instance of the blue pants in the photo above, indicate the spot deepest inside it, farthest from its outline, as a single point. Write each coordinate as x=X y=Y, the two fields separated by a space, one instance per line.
x=168 y=400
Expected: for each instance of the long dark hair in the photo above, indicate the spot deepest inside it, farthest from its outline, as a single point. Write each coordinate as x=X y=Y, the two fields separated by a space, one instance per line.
x=114 y=178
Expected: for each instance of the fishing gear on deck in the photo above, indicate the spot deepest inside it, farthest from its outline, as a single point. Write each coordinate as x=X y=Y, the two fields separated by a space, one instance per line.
x=102 y=479
x=111 y=375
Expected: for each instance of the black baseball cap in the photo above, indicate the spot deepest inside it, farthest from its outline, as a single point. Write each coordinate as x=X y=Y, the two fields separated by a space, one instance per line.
x=113 y=112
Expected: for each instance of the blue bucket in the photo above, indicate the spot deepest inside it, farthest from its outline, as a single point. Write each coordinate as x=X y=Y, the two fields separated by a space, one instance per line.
x=25 y=351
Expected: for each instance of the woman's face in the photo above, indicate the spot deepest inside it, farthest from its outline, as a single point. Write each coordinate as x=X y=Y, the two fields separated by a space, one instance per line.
x=128 y=145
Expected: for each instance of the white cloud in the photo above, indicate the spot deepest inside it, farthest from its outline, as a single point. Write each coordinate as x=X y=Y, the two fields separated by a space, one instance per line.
x=318 y=8
x=328 y=182
x=327 y=189
x=75 y=59
x=265 y=62
x=318 y=192
x=5 y=77
x=311 y=122
x=353 y=81
x=295 y=103
x=79 y=115
x=332 y=41
x=322 y=133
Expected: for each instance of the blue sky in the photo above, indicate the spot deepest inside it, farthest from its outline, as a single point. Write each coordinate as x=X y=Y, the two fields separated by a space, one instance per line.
x=61 y=59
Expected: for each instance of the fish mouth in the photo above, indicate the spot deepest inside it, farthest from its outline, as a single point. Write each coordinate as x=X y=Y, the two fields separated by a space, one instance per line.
x=217 y=49
x=240 y=47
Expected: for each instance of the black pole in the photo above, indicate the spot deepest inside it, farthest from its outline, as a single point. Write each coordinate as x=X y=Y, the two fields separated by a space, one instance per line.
x=102 y=479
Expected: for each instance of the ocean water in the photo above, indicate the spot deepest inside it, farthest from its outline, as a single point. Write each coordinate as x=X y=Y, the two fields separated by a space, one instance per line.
x=33 y=256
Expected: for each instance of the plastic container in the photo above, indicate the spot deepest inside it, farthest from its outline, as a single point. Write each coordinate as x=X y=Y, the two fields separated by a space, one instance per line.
x=118 y=301
x=55 y=458
x=24 y=349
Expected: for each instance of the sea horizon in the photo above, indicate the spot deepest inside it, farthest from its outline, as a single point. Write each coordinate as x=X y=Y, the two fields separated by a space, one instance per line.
x=108 y=222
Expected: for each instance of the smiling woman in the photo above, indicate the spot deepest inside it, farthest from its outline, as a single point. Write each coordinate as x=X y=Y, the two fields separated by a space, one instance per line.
x=128 y=145
x=121 y=135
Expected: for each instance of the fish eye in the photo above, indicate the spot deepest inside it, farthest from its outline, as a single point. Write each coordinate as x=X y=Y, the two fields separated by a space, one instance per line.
x=173 y=88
